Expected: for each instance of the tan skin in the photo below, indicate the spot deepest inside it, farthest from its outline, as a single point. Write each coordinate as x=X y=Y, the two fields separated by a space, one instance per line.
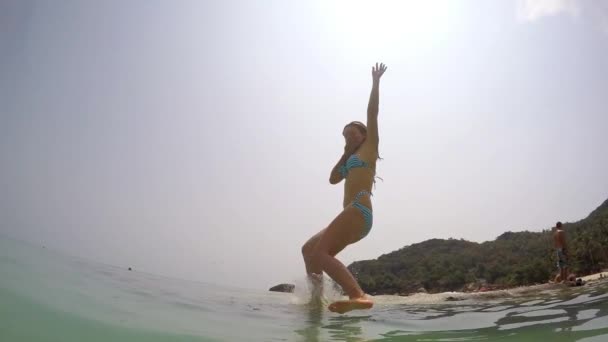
x=320 y=250
x=559 y=242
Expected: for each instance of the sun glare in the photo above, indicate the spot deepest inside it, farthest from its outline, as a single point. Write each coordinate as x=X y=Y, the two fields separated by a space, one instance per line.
x=392 y=28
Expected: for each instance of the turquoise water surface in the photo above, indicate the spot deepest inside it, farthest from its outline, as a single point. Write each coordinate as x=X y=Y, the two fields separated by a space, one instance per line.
x=49 y=296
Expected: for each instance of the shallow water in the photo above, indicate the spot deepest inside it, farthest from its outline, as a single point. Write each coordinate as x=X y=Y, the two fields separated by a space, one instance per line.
x=48 y=296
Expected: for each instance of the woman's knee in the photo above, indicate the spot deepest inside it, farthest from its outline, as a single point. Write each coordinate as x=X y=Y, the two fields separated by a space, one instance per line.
x=308 y=248
x=312 y=253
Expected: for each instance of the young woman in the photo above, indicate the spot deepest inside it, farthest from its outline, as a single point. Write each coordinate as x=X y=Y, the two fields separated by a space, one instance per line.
x=357 y=168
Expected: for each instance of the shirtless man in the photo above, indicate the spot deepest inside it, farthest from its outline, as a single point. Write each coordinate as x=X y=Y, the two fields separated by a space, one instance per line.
x=559 y=242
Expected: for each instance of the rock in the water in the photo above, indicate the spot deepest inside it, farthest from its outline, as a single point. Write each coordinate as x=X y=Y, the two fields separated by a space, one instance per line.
x=283 y=288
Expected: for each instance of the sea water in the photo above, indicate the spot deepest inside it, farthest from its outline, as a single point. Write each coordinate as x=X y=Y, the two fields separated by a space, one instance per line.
x=49 y=296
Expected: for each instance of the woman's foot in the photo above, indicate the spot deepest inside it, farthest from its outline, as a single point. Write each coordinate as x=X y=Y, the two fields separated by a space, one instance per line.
x=343 y=306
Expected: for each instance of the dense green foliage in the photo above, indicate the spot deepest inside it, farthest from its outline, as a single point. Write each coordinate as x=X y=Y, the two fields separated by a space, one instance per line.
x=513 y=259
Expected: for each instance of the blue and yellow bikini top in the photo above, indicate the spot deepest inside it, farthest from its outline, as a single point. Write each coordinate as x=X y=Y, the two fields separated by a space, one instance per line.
x=352 y=162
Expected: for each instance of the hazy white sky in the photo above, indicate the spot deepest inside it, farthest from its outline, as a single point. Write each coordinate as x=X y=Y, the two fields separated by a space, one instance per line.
x=195 y=138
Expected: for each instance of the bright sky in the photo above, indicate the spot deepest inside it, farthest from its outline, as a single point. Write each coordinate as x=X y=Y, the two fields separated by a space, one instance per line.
x=195 y=138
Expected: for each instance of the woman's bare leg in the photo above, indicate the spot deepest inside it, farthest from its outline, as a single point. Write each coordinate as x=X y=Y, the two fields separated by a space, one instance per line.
x=307 y=253
x=343 y=231
x=313 y=268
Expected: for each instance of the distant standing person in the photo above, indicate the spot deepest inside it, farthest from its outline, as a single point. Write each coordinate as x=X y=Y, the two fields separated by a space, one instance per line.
x=559 y=242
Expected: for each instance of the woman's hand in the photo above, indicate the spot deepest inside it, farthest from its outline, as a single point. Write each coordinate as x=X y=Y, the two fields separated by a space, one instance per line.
x=350 y=149
x=378 y=71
